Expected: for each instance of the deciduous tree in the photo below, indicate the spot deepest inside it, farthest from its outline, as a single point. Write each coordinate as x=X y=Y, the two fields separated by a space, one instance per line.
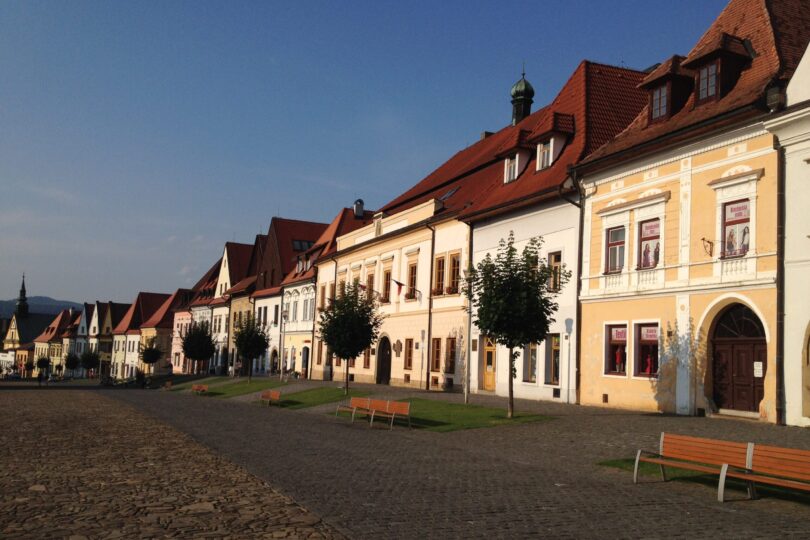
x=350 y=324
x=90 y=360
x=513 y=298
x=198 y=343
x=251 y=341
x=72 y=362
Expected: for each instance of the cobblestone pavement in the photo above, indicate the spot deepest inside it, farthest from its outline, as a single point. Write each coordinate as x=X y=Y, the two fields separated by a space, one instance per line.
x=77 y=464
x=529 y=480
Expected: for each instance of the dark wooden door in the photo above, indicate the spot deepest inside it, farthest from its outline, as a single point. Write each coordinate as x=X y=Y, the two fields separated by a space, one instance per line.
x=384 y=361
x=721 y=375
x=742 y=377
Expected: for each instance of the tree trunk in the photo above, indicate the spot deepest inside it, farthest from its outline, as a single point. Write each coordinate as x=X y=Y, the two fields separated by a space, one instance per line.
x=510 y=408
x=346 y=388
x=250 y=370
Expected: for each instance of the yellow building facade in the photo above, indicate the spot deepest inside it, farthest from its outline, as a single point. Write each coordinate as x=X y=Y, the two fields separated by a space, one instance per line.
x=678 y=287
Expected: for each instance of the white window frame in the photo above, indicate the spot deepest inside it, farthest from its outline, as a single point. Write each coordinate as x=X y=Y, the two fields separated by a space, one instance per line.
x=635 y=323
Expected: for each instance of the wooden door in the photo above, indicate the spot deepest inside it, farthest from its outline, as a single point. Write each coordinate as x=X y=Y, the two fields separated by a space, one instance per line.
x=489 y=364
x=721 y=376
x=742 y=377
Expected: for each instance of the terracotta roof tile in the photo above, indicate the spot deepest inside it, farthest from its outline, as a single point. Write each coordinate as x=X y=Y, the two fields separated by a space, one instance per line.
x=163 y=316
x=141 y=309
x=55 y=328
x=778 y=31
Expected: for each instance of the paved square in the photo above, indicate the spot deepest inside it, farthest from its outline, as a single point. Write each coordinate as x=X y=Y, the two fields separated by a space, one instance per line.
x=530 y=480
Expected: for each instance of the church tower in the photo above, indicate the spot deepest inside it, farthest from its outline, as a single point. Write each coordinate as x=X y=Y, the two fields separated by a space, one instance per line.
x=21 y=310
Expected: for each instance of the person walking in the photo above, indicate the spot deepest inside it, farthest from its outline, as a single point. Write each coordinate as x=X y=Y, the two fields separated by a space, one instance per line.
x=39 y=378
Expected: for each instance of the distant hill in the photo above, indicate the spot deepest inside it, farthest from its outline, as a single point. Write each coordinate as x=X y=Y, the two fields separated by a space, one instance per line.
x=38 y=304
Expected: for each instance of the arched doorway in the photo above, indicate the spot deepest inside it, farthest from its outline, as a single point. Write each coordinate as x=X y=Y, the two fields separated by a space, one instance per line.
x=304 y=362
x=274 y=361
x=384 y=361
x=739 y=359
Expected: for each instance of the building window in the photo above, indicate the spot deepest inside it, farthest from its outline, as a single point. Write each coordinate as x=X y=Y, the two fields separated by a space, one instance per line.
x=331 y=291
x=438 y=278
x=367 y=358
x=408 y=353
x=275 y=315
x=450 y=361
x=736 y=228
x=351 y=362
x=646 y=364
x=659 y=103
x=455 y=273
x=615 y=250
x=320 y=352
x=649 y=247
x=370 y=284
x=553 y=359
x=530 y=363
x=342 y=287
x=411 y=294
x=707 y=82
x=323 y=296
x=555 y=271
x=386 y=286
x=544 y=155
x=616 y=361
x=436 y=354
x=511 y=169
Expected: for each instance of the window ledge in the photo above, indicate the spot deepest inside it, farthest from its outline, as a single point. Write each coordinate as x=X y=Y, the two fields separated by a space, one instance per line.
x=615 y=375
x=664 y=196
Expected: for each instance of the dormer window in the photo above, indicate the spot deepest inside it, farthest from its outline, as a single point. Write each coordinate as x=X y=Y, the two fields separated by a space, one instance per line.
x=707 y=82
x=544 y=155
x=511 y=169
x=659 y=103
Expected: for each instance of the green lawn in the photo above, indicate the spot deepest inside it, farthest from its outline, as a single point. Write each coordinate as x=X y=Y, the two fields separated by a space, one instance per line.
x=735 y=489
x=317 y=396
x=240 y=387
x=441 y=416
x=210 y=381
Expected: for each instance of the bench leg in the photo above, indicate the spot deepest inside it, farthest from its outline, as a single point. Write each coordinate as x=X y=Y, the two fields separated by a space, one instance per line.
x=663 y=473
x=409 y=422
x=371 y=423
x=392 y=421
x=353 y=413
x=635 y=467
x=721 y=485
x=752 y=491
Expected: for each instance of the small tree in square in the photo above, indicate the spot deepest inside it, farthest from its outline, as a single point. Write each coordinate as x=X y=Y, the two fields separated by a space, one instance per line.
x=43 y=364
x=72 y=362
x=513 y=296
x=90 y=360
x=198 y=343
x=151 y=354
x=251 y=341
x=29 y=367
x=350 y=324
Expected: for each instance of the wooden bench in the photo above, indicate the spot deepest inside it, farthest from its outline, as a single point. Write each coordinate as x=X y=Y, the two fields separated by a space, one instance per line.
x=772 y=465
x=356 y=404
x=390 y=410
x=710 y=456
x=270 y=396
x=199 y=389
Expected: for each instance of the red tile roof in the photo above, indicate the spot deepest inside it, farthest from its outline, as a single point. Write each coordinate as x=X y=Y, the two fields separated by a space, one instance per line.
x=72 y=328
x=288 y=230
x=205 y=288
x=163 y=316
x=778 y=31
x=141 y=309
x=54 y=330
x=264 y=293
x=239 y=256
x=596 y=102
x=326 y=244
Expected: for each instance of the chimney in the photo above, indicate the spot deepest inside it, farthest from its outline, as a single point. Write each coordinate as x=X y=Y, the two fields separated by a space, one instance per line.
x=358 y=209
x=485 y=134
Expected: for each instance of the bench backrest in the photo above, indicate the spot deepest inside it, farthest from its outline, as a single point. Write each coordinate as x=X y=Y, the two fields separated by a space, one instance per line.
x=776 y=461
x=399 y=407
x=359 y=403
x=698 y=449
x=378 y=404
x=272 y=395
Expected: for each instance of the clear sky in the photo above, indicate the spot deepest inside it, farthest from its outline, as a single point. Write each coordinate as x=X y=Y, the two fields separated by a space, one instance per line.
x=137 y=137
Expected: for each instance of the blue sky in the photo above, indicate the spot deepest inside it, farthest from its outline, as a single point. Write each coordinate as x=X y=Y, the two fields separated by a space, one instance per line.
x=137 y=137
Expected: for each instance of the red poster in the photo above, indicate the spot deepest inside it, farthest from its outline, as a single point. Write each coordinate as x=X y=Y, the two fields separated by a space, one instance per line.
x=618 y=334
x=737 y=211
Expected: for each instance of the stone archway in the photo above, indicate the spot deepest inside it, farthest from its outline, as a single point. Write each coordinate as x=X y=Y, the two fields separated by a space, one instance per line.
x=739 y=359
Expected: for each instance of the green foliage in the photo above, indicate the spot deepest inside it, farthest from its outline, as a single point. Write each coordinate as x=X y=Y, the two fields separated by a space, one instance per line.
x=43 y=363
x=90 y=360
x=151 y=354
x=198 y=343
x=72 y=361
x=512 y=299
x=350 y=323
x=250 y=338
